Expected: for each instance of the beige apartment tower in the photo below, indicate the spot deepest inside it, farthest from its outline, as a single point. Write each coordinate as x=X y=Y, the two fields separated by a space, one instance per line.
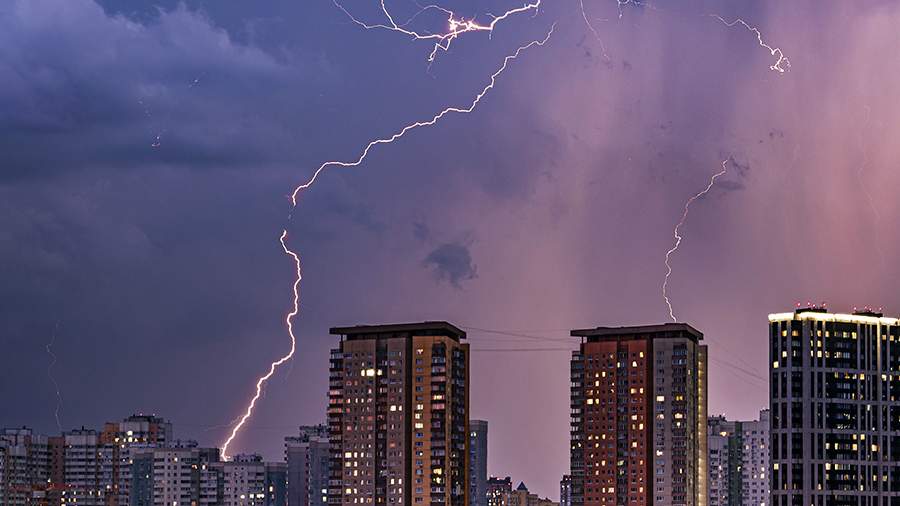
x=398 y=416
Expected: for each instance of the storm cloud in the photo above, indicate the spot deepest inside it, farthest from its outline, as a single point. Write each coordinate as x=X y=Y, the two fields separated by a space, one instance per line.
x=162 y=264
x=452 y=262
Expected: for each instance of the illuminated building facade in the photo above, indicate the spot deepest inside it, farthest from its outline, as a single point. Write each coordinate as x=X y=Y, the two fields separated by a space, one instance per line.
x=244 y=478
x=175 y=475
x=24 y=468
x=134 y=462
x=755 y=454
x=721 y=464
x=638 y=417
x=118 y=439
x=87 y=468
x=498 y=491
x=739 y=461
x=835 y=408
x=398 y=416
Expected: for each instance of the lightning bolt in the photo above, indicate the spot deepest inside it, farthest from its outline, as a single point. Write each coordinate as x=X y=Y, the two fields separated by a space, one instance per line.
x=419 y=124
x=782 y=63
x=289 y=321
x=456 y=25
x=678 y=238
x=593 y=30
x=53 y=379
x=386 y=140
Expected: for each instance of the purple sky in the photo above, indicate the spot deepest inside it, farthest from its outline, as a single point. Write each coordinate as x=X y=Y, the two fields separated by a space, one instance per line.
x=549 y=208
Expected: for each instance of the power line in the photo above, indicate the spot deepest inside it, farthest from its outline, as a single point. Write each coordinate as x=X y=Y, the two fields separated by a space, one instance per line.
x=518 y=350
x=519 y=334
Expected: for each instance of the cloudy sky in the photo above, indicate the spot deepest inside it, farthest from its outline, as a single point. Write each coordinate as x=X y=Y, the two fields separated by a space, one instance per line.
x=149 y=148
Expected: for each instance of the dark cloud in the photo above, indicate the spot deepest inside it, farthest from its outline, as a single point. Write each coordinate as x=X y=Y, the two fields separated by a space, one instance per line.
x=163 y=263
x=741 y=169
x=421 y=231
x=82 y=89
x=730 y=185
x=736 y=177
x=452 y=262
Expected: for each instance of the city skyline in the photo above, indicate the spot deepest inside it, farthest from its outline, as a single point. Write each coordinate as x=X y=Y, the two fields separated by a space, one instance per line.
x=151 y=149
x=399 y=429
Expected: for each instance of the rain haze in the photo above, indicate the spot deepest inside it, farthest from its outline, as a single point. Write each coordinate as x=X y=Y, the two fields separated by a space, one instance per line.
x=150 y=150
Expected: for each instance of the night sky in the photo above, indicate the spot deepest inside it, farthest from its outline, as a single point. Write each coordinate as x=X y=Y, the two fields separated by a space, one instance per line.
x=157 y=274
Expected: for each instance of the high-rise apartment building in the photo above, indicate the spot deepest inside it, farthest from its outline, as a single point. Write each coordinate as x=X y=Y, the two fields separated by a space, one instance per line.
x=139 y=429
x=755 y=489
x=398 y=416
x=723 y=463
x=119 y=439
x=244 y=478
x=478 y=448
x=24 y=468
x=307 y=456
x=87 y=468
x=835 y=408
x=739 y=461
x=177 y=474
x=638 y=417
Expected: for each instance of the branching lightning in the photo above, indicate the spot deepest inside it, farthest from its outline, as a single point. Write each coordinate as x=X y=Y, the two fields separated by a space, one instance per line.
x=295 y=307
x=456 y=25
x=678 y=237
x=593 y=30
x=289 y=321
x=782 y=63
x=53 y=361
x=418 y=124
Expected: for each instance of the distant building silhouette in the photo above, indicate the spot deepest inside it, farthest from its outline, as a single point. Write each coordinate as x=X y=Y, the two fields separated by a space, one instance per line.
x=135 y=462
x=498 y=491
x=522 y=497
x=478 y=448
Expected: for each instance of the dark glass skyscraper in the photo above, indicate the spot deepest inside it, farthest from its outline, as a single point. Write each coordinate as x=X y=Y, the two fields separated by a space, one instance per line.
x=478 y=448
x=835 y=408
